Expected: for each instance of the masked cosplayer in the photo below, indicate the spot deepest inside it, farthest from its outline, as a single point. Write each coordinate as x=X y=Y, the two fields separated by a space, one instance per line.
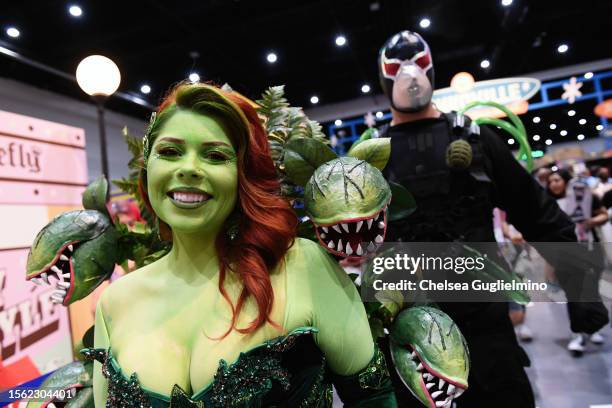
x=458 y=172
x=239 y=312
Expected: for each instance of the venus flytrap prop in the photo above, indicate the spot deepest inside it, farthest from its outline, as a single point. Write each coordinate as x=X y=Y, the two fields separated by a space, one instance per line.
x=78 y=250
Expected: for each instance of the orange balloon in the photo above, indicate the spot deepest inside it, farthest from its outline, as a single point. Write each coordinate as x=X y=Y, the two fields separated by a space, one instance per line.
x=462 y=82
x=604 y=109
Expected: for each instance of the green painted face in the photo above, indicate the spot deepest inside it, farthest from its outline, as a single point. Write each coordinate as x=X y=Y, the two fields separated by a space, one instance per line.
x=346 y=199
x=192 y=174
x=430 y=355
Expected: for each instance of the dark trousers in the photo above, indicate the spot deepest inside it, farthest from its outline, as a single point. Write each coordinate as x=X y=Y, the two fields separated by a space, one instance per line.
x=497 y=375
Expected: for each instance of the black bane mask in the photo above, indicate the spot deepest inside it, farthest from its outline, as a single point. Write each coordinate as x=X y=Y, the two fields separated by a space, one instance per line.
x=406 y=72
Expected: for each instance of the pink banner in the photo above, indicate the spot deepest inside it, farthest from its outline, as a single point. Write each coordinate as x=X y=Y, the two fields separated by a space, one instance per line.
x=31 y=326
x=13 y=124
x=28 y=160
x=38 y=193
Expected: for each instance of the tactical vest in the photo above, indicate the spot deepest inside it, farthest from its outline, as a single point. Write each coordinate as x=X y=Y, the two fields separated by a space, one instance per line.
x=453 y=204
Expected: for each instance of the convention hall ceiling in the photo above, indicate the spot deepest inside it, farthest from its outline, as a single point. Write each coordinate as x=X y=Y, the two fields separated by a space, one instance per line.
x=158 y=42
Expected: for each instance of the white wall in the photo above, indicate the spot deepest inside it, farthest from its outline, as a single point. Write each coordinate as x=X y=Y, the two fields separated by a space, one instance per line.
x=27 y=100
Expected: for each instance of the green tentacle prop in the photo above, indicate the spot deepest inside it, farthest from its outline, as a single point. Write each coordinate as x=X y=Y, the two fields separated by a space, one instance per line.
x=515 y=128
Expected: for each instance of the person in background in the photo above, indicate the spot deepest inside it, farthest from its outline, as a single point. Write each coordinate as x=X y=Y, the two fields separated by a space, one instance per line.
x=541 y=176
x=558 y=183
x=455 y=204
x=513 y=245
x=603 y=183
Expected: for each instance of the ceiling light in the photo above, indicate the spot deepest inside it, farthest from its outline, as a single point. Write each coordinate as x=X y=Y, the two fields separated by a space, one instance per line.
x=485 y=63
x=548 y=142
x=340 y=40
x=588 y=75
x=379 y=115
x=12 y=32
x=510 y=141
x=536 y=119
x=599 y=127
x=365 y=88
x=194 y=77
x=581 y=137
x=425 y=22
x=314 y=99
x=75 y=11
x=562 y=48
x=571 y=112
x=582 y=121
x=272 y=58
x=554 y=168
x=338 y=122
x=146 y=89
x=552 y=126
x=563 y=133
x=536 y=138
x=506 y=3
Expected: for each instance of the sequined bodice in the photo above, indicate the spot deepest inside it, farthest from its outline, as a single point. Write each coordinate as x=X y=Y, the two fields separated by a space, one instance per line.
x=284 y=371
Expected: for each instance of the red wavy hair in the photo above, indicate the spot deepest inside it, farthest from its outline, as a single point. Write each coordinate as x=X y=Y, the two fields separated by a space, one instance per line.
x=267 y=223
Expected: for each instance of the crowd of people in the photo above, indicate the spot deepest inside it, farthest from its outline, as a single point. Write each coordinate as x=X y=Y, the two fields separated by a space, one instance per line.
x=585 y=195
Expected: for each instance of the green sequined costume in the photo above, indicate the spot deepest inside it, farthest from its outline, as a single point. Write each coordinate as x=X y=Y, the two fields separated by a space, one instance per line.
x=328 y=341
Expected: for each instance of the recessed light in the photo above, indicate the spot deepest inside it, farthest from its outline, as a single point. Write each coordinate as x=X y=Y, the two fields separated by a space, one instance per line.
x=554 y=168
x=13 y=32
x=272 y=58
x=314 y=99
x=379 y=115
x=580 y=137
x=340 y=40
x=599 y=127
x=552 y=126
x=571 y=112
x=194 y=77
x=536 y=138
x=548 y=142
x=425 y=22
x=563 y=133
x=338 y=122
x=562 y=48
x=506 y=3
x=75 y=11
x=536 y=119
x=582 y=121
x=588 y=75
x=146 y=89
x=510 y=141
x=365 y=88
x=485 y=63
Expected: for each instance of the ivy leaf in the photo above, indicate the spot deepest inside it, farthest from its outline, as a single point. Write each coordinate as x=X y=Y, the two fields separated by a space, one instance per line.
x=95 y=196
x=303 y=156
x=391 y=300
x=402 y=202
x=374 y=151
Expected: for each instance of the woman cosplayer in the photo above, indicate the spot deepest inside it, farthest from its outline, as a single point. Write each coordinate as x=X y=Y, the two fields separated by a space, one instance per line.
x=240 y=312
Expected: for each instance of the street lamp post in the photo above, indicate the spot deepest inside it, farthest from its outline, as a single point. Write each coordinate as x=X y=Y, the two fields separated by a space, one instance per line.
x=99 y=77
